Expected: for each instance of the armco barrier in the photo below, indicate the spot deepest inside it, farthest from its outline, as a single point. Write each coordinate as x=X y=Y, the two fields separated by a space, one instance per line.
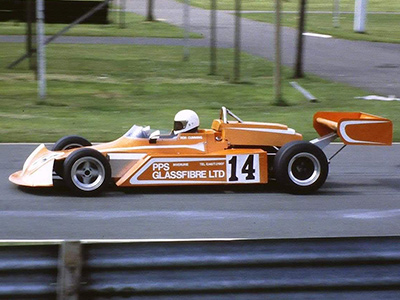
x=28 y=271
x=328 y=268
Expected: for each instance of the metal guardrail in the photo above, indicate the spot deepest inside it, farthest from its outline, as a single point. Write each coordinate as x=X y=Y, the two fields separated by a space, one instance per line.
x=328 y=268
x=28 y=271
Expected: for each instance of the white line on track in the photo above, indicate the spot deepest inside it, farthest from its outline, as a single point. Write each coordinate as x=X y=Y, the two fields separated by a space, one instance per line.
x=373 y=214
x=324 y=36
x=199 y=215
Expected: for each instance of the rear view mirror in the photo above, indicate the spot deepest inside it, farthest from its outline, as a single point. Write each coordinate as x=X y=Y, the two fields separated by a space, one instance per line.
x=154 y=137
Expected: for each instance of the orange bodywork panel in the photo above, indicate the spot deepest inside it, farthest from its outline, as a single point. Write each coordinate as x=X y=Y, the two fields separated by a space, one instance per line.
x=355 y=128
x=184 y=143
x=255 y=133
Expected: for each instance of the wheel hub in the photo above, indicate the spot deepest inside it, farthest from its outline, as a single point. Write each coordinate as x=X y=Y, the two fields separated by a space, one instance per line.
x=88 y=173
x=304 y=169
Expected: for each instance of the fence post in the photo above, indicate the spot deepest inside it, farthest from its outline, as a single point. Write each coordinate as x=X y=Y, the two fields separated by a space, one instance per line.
x=41 y=50
x=69 y=270
x=298 y=72
x=360 y=15
x=186 y=21
x=277 y=73
x=30 y=50
x=336 y=13
x=236 y=63
x=122 y=12
x=213 y=38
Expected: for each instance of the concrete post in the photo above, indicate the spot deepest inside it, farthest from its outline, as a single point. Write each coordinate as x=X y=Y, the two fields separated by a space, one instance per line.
x=69 y=270
x=360 y=15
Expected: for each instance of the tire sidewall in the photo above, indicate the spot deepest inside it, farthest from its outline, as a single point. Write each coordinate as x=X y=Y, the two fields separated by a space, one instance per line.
x=282 y=161
x=64 y=142
x=78 y=155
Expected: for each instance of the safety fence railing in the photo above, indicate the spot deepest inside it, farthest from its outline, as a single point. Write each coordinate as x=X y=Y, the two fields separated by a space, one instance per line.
x=317 y=268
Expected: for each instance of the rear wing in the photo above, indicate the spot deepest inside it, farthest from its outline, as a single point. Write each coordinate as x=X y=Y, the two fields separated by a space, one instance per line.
x=355 y=128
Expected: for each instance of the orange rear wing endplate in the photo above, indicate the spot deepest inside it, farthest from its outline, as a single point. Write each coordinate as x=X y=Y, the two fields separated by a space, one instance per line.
x=355 y=128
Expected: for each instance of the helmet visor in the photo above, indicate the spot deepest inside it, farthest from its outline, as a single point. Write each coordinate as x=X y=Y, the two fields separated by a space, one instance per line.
x=179 y=125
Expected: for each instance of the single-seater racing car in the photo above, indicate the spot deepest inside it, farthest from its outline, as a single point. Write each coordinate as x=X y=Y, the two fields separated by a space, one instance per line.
x=232 y=151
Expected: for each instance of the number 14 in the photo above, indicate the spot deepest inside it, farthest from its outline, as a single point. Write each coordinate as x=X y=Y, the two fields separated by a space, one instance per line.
x=243 y=168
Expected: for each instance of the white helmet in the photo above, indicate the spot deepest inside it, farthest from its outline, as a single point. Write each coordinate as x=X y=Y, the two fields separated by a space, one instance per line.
x=185 y=120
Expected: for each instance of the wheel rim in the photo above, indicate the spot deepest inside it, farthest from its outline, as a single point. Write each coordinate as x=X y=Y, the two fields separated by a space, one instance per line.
x=88 y=173
x=304 y=169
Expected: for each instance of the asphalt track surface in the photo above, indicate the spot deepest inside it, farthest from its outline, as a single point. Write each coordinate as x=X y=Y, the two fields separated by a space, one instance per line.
x=360 y=198
x=374 y=67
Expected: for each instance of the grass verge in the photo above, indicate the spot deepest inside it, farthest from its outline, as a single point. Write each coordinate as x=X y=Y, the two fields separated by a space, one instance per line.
x=292 y=5
x=135 y=26
x=99 y=91
x=380 y=28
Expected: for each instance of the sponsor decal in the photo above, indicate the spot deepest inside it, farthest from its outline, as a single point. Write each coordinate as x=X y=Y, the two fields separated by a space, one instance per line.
x=223 y=169
x=185 y=170
x=191 y=137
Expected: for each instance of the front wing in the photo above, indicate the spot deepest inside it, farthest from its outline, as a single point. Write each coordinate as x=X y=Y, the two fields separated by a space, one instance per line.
x=37 y=170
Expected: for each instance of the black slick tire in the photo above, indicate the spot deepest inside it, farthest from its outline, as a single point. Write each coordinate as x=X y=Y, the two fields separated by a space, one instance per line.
x=70 y=142
x=66 y=143
x=301 y=167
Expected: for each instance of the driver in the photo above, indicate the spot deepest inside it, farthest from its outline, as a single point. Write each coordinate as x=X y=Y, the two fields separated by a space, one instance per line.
x=186 y=121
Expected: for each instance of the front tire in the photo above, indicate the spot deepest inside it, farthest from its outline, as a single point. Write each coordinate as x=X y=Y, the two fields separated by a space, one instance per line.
x=301 y=167
x=86 y=172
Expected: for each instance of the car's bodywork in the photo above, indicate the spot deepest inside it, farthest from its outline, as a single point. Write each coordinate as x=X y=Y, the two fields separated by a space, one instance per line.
x=231 y=152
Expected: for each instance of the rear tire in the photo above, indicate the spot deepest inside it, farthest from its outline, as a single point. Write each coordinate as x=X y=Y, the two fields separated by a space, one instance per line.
x=86 y=172
x=70 y=142
x=66 y=143
x=301 y=167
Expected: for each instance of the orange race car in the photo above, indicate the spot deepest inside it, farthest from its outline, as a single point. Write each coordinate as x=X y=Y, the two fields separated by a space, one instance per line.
x=231 y=152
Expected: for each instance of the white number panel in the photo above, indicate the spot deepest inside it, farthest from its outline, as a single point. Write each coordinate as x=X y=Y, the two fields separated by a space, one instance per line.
x=243 y=168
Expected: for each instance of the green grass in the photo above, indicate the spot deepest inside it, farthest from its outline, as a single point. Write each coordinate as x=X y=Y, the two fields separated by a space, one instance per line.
x=292 y=5
x=136 y=26
x=99 y=91
x=380 y=28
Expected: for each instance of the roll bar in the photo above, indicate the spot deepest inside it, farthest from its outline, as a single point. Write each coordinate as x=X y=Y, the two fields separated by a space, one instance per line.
x=224 y=115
